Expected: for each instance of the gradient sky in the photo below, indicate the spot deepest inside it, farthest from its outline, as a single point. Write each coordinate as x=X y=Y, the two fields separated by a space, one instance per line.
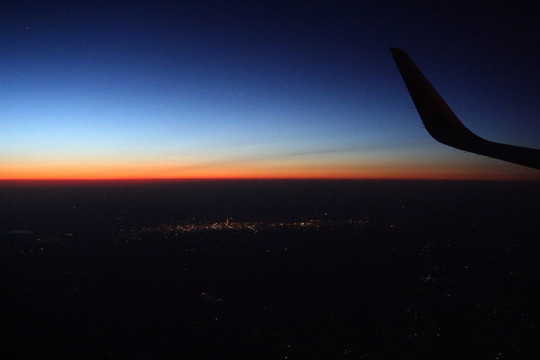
x=194 y=89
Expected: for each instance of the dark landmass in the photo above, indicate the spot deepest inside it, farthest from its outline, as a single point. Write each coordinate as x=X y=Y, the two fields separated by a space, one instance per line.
x=271 y=270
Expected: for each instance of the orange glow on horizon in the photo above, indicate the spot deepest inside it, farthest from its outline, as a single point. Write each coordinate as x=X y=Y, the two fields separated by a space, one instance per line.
x=279 y=170
x=298 y=175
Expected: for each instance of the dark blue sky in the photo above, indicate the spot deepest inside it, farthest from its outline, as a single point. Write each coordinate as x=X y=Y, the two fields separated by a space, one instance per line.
x=259 y=89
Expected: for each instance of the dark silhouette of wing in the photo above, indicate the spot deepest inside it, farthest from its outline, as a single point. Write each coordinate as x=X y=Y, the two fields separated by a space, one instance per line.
x=445 y=127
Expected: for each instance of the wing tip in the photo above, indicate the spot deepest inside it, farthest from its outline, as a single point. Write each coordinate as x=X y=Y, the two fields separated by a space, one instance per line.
x=444 y=126
x=397 y=52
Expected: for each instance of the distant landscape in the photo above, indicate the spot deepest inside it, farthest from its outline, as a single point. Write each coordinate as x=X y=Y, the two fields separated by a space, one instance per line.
x=287 y=269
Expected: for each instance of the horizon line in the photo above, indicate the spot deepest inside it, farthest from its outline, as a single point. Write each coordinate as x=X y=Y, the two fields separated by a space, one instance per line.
x=157 y=179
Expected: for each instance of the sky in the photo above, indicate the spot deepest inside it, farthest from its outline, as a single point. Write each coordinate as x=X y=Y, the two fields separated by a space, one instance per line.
x=249 y=89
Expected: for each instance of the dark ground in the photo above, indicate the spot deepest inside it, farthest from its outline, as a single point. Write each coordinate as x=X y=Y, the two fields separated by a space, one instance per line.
x=439 y=270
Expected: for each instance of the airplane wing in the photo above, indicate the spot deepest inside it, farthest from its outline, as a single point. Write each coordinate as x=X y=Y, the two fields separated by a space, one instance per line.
x=444 y=126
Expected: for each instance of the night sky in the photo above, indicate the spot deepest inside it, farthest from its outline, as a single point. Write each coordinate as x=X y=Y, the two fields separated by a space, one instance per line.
x=248 y=89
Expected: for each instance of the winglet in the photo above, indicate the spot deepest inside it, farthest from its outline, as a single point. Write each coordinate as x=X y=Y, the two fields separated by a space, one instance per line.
x=444 y=126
